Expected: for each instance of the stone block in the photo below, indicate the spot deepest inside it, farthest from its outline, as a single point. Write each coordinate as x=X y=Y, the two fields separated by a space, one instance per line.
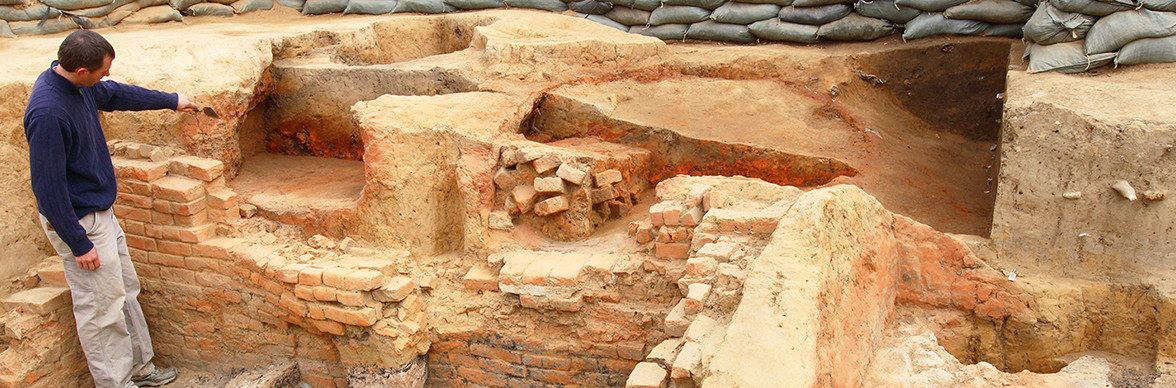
x=576 y=174
x=199 y=168
x=646 y=375
x=552 y=185
x=479 y=278
x=679 y=251
x=551 y=205
x=41 y=300
x=177 y=189
x=362 y=280
x=607 y=177
x=395 y=290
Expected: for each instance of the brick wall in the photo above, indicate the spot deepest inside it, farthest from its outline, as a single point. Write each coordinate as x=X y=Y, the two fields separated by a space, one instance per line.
x=487 y=359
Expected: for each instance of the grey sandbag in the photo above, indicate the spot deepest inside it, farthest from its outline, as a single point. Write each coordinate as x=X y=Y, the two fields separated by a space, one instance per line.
x=36 y=12
x=1089 y=7
x=1064 y=58
x=814 y=15
x=1005 y=31
x=628 y=16
x=476 y=4
x=1160 y=5
x=991 y=11
x=886 y=9
x=930 y=24
x=1150 y=50
x=209 y=9
x=225 y=2
x=744 y=13
x=183 y=4
x=9 y=2
x=782 y=3
x=100 y=11
x=644 y=5
x=110 y=19
x=776 y=30
x=67 y=5
x=930 y=5
x=247 y=6
x=818 y=3
x=1110 y=33
x=320 y=7
x=856 y=28
x=708 y=4
x=156 y=14
x=4 y=29
x=1050 y=25
x=663 y=32
x=37 y=27
x=591 y=7
x=295 y=4
x=605 y=21
x=546 y=5
x=724 y=32
x=677 y=14
x=370 y=7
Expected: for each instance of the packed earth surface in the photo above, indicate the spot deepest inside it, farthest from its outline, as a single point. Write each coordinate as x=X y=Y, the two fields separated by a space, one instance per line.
x=526 y=198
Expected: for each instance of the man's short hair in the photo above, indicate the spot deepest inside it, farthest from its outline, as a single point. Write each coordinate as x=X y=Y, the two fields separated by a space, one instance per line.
x=83 y=48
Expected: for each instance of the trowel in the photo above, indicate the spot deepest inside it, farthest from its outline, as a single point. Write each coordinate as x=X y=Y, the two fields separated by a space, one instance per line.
x=208 y=111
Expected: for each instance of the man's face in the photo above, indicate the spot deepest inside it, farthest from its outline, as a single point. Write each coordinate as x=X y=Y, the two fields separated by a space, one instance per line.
x=89 y=77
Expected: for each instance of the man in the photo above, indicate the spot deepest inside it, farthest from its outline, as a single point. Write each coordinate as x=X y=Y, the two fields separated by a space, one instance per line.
x=73 y=180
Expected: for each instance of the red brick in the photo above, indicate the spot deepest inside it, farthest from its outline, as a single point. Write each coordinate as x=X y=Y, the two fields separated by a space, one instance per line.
x=495 y=353
x=192 y=220
x=304 y=293
x=325 y=293
x=558 y=377
x=293 y=305
x=567 y=270
x=188 y=234
x=477 y=376
x=161 y=218
x=336 y=276
x=142 y=243
x=174 y=248
x=133 y=187
x=177 y=275
x=540 y=269
x=354 y=298
x=217 y=248
x=547 y=362
x=646 y=375
x=363 y=317
x=289 y=273
x=132 y=227
x=395 y=290
x=672 y=250
x=328 y=327
x=524 y=197
x=480 y=278
x=189 y=208
x=502 y=367
x=134 y=200
x=196 y=167
x=551 y=206
x=224 y=216
x=138 y=169
x=310 y=276
x=178 y=189
x=165 y=259
x=646 y=233
x=222 y=198
x=362 y=280
x=131 y=213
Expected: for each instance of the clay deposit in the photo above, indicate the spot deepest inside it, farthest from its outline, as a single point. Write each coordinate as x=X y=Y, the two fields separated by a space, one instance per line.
x=519 y=198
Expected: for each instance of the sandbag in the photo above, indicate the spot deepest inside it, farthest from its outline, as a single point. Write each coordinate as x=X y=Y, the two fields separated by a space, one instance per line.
x=1089 y=7
x=886 y=9
x=708 y=4
x=225 y=2
x=1150 y=50
x=605 y=21
x=476 y=4
x=111 y=18
x=67 y=5
x=1005 y=31
x=930 y=5
x=818 y=3
x=37 y=27
x=100 y=11
x=1050 y=25
x=183 y=4
x=628 y=16
x=36 y=12
x=1160 y=5
x=591 y=7
x=209 y=9
x=856 y=28
x=370 y=7
x=991 y=11
x=1111 y=32
x=711 y=30
x=644 y=5
x=320 y=7
x=776 y=30
x=247 y=6
x=782 y=3
x=663 y=32
x=295 y=4
x=930 y=24
x=546 y=5
x=10 y=2
x=4 y=29
x=744 y=13
x=677 y=14
x=1064 y=58
x=814 y=15
x=156 y=14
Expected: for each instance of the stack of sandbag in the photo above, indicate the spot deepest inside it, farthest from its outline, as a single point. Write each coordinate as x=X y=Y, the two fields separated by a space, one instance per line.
x=1072 y=36
x=964 y=17
x=51 y=16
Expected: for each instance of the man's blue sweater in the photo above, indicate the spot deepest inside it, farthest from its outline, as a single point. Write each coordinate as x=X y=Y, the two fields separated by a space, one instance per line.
x=70 y=166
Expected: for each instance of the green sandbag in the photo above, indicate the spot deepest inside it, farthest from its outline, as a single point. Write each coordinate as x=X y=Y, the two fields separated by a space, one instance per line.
x=677 y=14
x=628 y=16
x=153 y=15
x=209 y=9
x=776 y=30
x=708 y=4
x=1064 y=58
x=644 y=5
x=663 y=32
x=1005 y=31
x=814 y=15
x=1050 y=25
x=1088 y=7
x=744 y=13
x=370 y=7
x=35 y=27
x=110 y=19
x=1160 y=5
x=856 y=28
x=930 y=5
x=723 y=32
x=320 y=7
x=36 y=12
x=991 y=11
x=886 y=9
x=546 y=5
x=1111 y=32
x=247 y=6
x=818 y=3
x=67 y=5
x=1150 y=50
x=476 y=4
x=930 y=24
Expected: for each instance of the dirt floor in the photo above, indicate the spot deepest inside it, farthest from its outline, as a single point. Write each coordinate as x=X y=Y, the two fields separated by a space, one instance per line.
x=348 y=146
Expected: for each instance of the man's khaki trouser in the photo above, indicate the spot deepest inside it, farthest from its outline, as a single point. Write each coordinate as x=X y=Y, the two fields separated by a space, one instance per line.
x=110 y=322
